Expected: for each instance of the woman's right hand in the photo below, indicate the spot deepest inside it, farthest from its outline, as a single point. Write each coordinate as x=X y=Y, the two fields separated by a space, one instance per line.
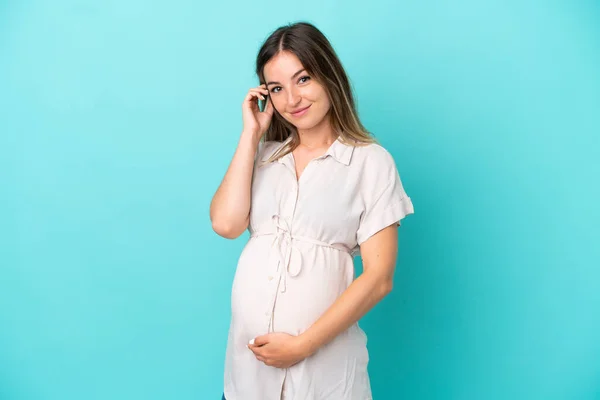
x=255 y=121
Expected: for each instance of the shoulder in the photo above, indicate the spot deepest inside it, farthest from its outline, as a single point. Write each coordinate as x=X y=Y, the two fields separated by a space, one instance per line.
x=373 y=156
x=372 y=149
x=374 y=167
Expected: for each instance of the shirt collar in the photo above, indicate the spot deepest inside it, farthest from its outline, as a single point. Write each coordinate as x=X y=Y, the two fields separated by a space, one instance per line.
x=339 y=151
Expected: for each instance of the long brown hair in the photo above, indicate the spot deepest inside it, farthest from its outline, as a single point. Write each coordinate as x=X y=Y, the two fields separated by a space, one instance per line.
x=319 y=59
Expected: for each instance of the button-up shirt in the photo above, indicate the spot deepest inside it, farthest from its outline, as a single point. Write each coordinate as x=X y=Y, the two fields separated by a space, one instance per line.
x=298 y=261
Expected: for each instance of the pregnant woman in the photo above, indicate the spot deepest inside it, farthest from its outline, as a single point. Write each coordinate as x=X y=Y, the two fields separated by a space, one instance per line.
x=314 y=189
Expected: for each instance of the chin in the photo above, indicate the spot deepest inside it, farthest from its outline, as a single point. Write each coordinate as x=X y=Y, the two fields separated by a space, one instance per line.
x=303 y=125
x=306 y=125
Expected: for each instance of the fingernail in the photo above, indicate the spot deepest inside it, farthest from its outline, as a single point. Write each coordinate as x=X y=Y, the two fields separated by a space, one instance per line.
x=251 y=341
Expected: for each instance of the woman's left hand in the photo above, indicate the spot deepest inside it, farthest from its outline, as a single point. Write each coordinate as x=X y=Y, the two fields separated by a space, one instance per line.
x=280 y=350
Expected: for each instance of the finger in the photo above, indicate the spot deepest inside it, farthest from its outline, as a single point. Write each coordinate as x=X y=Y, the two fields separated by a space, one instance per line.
x=251 y=101
x=262 y=89
x=259 y=89
x=261 y=340
x=252 y=95
x=255 y=348
x=262 y=95
x=257 y=351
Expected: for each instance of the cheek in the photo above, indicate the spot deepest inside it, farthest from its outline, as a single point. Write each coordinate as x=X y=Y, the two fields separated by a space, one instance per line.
x=321 y=98
x=324 y=105
x=278 y=102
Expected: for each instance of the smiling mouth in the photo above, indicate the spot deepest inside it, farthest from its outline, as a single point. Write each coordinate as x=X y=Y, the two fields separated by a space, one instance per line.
x=301 y=112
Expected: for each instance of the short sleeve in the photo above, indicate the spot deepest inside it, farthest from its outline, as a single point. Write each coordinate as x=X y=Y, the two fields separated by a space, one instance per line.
x=385 y=201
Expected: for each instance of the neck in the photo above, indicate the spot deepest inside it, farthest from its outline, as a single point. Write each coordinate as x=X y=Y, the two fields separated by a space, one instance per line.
x=321 y=135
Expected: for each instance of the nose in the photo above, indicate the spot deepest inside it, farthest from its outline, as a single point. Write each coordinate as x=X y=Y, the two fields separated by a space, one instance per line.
x=293 y=97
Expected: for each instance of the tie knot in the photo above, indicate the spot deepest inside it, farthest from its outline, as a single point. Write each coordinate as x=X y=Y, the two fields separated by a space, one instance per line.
x=282 y=225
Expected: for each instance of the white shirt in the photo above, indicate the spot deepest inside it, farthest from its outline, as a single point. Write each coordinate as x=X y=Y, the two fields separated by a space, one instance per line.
x=299 y=260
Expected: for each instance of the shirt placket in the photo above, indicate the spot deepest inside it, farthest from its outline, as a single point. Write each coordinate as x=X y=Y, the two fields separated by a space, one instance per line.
x=287 y=211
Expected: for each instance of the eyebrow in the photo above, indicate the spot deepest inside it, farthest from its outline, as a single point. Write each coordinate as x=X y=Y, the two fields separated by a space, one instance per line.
x=293 y=76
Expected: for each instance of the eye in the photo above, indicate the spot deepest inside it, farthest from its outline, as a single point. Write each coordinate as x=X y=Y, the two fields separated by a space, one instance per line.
x=302 y=79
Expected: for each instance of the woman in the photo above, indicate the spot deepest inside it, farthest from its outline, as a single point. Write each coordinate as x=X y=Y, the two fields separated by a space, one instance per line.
x=314 y=189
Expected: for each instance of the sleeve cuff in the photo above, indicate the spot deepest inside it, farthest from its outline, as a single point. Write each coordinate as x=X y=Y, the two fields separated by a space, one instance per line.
x=392 y=214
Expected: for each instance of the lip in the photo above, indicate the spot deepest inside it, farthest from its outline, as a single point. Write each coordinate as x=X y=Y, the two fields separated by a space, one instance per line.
x=301 y=112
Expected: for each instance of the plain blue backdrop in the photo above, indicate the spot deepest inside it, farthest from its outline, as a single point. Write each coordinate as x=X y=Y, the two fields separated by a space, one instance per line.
x=118 y=120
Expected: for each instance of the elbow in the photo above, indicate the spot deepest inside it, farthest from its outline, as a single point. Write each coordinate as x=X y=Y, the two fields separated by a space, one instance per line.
x=385 y=287
x=227 y=230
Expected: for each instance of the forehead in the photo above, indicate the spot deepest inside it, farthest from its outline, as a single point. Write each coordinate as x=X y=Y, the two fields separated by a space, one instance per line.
x=282 y=66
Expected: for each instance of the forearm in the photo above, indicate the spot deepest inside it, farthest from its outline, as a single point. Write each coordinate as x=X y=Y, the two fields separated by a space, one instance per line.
x=360 y=297
x=230 y=206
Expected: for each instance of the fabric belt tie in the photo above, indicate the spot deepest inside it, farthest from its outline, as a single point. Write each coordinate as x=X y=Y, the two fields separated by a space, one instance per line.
x=283 y=234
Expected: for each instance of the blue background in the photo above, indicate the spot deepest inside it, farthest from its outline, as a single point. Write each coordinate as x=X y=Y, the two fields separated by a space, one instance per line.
x=119 y=118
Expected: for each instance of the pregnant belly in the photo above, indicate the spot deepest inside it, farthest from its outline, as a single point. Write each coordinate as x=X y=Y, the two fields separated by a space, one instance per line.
x=257 y=294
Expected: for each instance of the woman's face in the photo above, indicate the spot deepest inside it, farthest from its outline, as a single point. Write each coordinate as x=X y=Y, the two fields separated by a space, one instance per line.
x=297 y=96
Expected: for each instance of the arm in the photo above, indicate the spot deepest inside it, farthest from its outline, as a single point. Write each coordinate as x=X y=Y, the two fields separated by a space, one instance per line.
x=230 y=206
x=379 y=253
x=379 y=260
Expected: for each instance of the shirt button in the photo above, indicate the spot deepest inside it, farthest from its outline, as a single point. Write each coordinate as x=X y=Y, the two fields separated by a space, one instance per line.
x=270 y=278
